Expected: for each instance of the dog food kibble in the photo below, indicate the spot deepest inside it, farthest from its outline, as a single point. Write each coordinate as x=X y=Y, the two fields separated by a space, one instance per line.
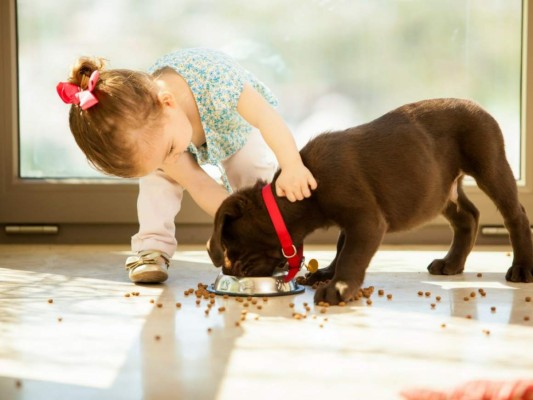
x=528 y=299
x=59 y=319
x=209 y=330
x=526 y=318
x=323 y=310
x=50 y=301
x=473 y=294
x=312 y=266
x=291 y=305
x=159 y=305
x=237 y=324
x=479 y=275
x=468 y=316
x=381 y=292
x=221 y=309
x=342 y=304
x=367 y=292
x=127 y=295
x=152 y=301
x=420 y=293
x=486 y=332
x=437 y=298
x=433 y=305
x=18 y=384
x=157 y=337
x=493 y=309
x=178 y=305
x=443 y=325
x=265 y=299
x=369 y=302
x=259 y=307
x=389 y=297
x=427 y=294
x=466 y=298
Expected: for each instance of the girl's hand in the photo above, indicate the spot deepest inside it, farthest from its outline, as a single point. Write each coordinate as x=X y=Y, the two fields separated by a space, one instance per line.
x=295 y=182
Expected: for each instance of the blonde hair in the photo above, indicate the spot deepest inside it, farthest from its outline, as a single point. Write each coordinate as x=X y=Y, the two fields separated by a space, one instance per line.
x=127 y=101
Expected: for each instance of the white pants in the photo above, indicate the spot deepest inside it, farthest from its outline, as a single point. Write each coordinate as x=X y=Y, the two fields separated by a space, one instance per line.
x=160 y=196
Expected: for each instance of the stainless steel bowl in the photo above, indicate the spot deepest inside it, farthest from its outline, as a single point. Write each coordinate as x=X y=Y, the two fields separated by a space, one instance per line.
x=254 y=286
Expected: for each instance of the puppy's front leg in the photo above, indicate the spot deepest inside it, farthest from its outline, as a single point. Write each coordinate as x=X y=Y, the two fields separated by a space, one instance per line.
x=361 y=243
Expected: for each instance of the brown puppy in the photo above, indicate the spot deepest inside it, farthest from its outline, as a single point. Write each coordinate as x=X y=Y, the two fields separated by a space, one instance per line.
x=391 y=174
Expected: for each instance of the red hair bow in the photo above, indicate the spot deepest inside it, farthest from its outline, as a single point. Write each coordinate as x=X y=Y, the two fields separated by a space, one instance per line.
x=72 y=94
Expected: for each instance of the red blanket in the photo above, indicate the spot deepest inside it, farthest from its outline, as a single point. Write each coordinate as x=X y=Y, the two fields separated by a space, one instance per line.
x=477 y=390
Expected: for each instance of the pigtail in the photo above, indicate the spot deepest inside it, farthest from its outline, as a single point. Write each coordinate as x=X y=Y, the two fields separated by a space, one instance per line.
x=83 y=68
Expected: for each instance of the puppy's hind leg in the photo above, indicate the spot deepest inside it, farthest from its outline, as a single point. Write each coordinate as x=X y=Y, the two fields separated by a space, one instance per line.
x=500 y=186
x=325 y=274
x=464 y=219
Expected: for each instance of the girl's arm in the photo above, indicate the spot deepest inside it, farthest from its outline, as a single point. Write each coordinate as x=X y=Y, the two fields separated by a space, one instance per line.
x=295 y=180
x=204 y=190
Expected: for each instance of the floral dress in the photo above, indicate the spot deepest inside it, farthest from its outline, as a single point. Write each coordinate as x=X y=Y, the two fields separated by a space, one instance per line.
x=216 y=81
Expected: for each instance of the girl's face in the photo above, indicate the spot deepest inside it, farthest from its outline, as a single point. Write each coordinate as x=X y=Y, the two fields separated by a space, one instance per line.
x=171 y=138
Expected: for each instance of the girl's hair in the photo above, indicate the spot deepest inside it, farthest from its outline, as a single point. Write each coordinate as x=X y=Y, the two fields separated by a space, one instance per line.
x=106 y=132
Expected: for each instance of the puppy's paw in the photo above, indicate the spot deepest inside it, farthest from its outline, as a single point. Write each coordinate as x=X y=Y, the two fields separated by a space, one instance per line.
x=321 y=275
x=335 y=292
x=520 y=273
x=444 y=267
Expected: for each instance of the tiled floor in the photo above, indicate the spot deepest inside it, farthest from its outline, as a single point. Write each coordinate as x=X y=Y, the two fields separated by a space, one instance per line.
x=93 y=342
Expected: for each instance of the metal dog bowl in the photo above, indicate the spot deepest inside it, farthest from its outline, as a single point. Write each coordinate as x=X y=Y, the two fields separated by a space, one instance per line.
x=254 y=286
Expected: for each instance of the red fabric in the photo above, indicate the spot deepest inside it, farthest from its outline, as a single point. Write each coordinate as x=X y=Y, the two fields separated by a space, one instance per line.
x=294 y=255
x=477 y=390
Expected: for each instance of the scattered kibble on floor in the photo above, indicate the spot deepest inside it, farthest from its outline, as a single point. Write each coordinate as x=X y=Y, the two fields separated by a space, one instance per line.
x=201 y=294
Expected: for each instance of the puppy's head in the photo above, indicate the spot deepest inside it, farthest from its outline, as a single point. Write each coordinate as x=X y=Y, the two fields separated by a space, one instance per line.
x=244 y=242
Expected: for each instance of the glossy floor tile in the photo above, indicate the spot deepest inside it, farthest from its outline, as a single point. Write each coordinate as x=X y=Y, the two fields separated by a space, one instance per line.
x=70 y=328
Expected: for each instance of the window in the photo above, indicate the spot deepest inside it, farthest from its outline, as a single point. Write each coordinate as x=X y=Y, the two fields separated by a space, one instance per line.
x=332 y=64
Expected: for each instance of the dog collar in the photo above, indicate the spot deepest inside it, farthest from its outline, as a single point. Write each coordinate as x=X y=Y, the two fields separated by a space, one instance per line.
x=293 y=255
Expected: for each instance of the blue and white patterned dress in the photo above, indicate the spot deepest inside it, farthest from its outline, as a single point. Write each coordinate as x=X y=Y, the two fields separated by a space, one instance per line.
x=216 y=81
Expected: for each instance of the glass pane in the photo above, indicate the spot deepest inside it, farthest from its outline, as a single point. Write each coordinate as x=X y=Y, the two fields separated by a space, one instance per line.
x=333 y=64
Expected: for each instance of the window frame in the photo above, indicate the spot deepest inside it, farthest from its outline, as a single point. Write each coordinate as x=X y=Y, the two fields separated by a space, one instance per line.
x=86 y=202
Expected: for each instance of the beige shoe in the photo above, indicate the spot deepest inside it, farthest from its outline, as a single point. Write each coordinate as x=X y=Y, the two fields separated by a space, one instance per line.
x=149 y=266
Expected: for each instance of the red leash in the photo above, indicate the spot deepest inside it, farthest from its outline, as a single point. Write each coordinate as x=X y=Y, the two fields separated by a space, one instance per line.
x=293 y=255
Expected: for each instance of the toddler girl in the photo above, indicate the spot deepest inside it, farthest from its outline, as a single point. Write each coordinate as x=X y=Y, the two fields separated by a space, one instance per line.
x=195 y=107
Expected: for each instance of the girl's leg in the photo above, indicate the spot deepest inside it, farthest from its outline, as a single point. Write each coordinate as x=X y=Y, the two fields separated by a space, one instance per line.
x=254 y=161
x=158 y=203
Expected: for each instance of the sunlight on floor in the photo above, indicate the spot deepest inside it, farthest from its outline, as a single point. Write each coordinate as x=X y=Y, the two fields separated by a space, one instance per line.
x=93 y=342
x=50 y=322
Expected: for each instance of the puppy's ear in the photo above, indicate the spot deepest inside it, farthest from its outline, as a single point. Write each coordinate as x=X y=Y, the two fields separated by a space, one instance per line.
x=229 y=210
